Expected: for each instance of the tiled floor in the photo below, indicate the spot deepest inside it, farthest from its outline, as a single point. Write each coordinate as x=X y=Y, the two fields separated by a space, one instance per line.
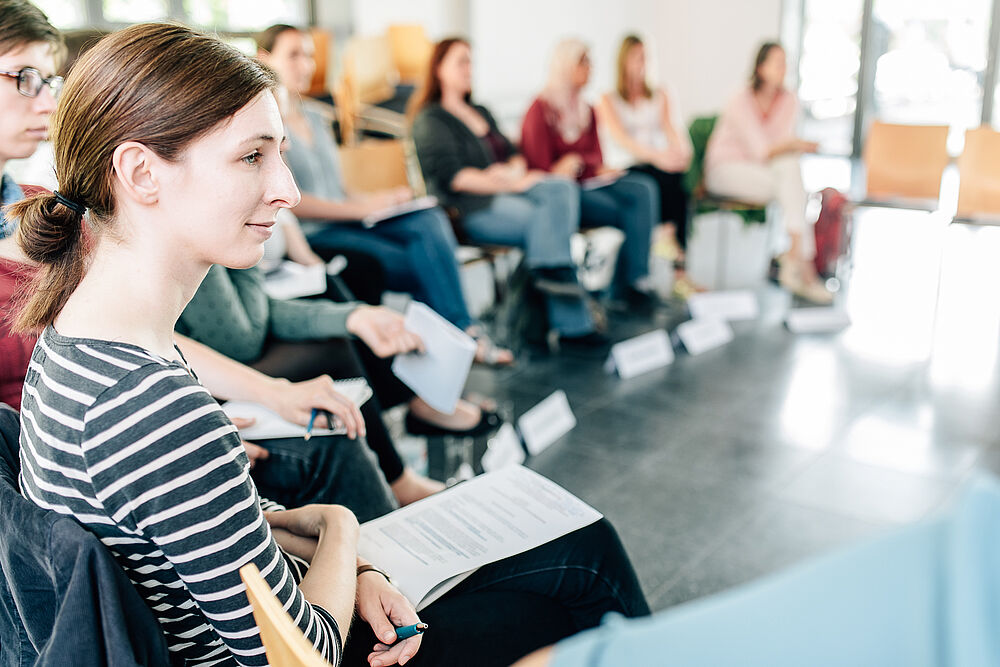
x=723 y=467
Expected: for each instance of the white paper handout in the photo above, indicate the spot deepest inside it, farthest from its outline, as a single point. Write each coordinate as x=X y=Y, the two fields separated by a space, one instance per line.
x=817 y=320
x=437 y=376
x=428 y=547
x=292 y=280
x=600 y=181
x=545 y=423
x=730 y=305
x=641 y=354
x=269 y=424
x=703 y=335
x=418 y=204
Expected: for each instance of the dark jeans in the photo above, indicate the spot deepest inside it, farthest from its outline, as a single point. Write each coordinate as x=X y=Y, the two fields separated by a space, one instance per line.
x=327 y=470
x=338 y=358
x=416 y=253
x=673 y=198
x=632 y=204
x=509 y=608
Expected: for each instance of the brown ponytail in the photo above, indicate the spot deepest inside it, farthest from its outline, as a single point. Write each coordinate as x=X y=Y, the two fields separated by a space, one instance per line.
x=50 y=234
x=159 y=84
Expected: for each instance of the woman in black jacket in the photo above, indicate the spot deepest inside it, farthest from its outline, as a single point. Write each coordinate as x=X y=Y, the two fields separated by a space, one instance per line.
x=470 y=166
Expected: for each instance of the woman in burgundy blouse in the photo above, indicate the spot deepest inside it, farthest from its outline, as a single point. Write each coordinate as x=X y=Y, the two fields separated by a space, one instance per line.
x=559 y=135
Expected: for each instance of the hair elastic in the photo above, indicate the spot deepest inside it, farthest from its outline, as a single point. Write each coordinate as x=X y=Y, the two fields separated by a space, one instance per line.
x=79 y=209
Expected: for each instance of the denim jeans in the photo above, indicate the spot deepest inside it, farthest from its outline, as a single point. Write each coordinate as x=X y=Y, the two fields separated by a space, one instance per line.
x=632 y=204
x=541 y=221
x=417 y=254
x=326 y=470
x=509 y=608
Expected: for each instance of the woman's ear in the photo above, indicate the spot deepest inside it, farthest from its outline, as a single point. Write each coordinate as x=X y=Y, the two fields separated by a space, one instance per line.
x=134 y=167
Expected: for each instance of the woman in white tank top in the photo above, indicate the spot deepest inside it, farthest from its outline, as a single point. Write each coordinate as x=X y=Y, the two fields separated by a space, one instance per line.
x=639 y=133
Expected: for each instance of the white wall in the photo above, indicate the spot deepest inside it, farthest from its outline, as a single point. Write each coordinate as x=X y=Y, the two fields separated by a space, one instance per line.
x=700 y=49
x=441 y=18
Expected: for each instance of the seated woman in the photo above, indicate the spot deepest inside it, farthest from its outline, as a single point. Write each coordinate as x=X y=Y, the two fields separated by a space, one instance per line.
x=559 y=135
x=416 y=250
x=472 y=167
x=170 y=140
x=291 y=471
x=753 y=155
x=638 y=122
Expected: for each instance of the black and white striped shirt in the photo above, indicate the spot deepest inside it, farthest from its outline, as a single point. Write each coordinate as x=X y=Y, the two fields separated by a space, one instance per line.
x=135 y=449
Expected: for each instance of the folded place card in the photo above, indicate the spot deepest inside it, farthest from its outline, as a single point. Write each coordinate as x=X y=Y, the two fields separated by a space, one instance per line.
x=545 y=423
x=817 y=320
x=641 y=354
x=503 y=449
x=437 y=376
x=730 y=305
x=703 y=335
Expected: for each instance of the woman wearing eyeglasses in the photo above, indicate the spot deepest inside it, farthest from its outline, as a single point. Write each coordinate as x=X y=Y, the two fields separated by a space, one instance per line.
x=30 y=52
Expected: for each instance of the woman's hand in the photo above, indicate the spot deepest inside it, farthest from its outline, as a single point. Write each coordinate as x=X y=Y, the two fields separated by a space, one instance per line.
x=383 y=331
x=529 y=180
x=570 y=165
x=384 y=608
x=298 y=531
x=295 y=401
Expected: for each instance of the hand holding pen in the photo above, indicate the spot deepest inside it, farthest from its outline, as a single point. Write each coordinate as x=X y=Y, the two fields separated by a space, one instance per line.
x=295 y=401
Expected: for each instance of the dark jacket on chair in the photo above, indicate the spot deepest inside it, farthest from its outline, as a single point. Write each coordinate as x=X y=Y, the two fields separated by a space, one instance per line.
x=63 y=598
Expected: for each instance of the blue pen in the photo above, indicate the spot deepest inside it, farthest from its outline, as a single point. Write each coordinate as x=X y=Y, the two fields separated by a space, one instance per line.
x=408 y=631
x=309 y=428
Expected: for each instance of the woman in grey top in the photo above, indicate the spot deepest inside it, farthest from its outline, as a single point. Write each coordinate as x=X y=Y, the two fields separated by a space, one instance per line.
x=416 y=250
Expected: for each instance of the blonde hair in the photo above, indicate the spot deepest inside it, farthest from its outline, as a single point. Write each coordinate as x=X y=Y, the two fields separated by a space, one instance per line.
x=621 y=86
x=572 y=113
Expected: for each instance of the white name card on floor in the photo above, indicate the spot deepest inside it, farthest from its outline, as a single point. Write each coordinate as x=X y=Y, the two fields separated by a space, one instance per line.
x=703 y=335
x=437 y=376
x=817 y=320
x=504 y=449
x=641 y=354
x=545 y=423
x=731 y=305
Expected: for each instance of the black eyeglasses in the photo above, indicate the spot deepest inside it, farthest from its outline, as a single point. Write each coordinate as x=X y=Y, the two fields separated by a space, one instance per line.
x=30 y=82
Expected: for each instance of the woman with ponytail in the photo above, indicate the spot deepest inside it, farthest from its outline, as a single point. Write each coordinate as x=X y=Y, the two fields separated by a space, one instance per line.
x=167 y=146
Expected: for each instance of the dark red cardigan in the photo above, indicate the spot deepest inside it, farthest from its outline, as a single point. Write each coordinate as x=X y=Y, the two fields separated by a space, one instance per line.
x=542 y=145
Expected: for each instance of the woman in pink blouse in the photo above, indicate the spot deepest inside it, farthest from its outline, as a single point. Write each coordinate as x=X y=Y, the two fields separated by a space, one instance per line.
x=753 y=155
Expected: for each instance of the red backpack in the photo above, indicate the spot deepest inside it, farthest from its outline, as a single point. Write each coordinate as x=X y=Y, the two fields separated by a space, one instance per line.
x=832 y=230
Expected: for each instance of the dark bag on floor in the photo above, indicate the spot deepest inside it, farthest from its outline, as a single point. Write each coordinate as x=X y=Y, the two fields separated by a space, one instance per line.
x=832 y=231
x=520 y=316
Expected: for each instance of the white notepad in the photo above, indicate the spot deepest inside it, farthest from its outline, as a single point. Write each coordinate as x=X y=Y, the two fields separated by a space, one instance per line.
x=418 y=204
x=438 y=376
x=269 y=425
x=428 y=547
x=292 y=280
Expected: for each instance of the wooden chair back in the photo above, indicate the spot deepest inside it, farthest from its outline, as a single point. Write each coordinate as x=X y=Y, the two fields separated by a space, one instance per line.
x=368 y=68
x=323 y=45
x=905 y=161
x=375 y=164
x=411 y=51
x=979 y=171
x=284 y=643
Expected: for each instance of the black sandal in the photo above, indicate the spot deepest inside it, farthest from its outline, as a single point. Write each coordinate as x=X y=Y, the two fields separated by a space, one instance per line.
x=488 y=421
